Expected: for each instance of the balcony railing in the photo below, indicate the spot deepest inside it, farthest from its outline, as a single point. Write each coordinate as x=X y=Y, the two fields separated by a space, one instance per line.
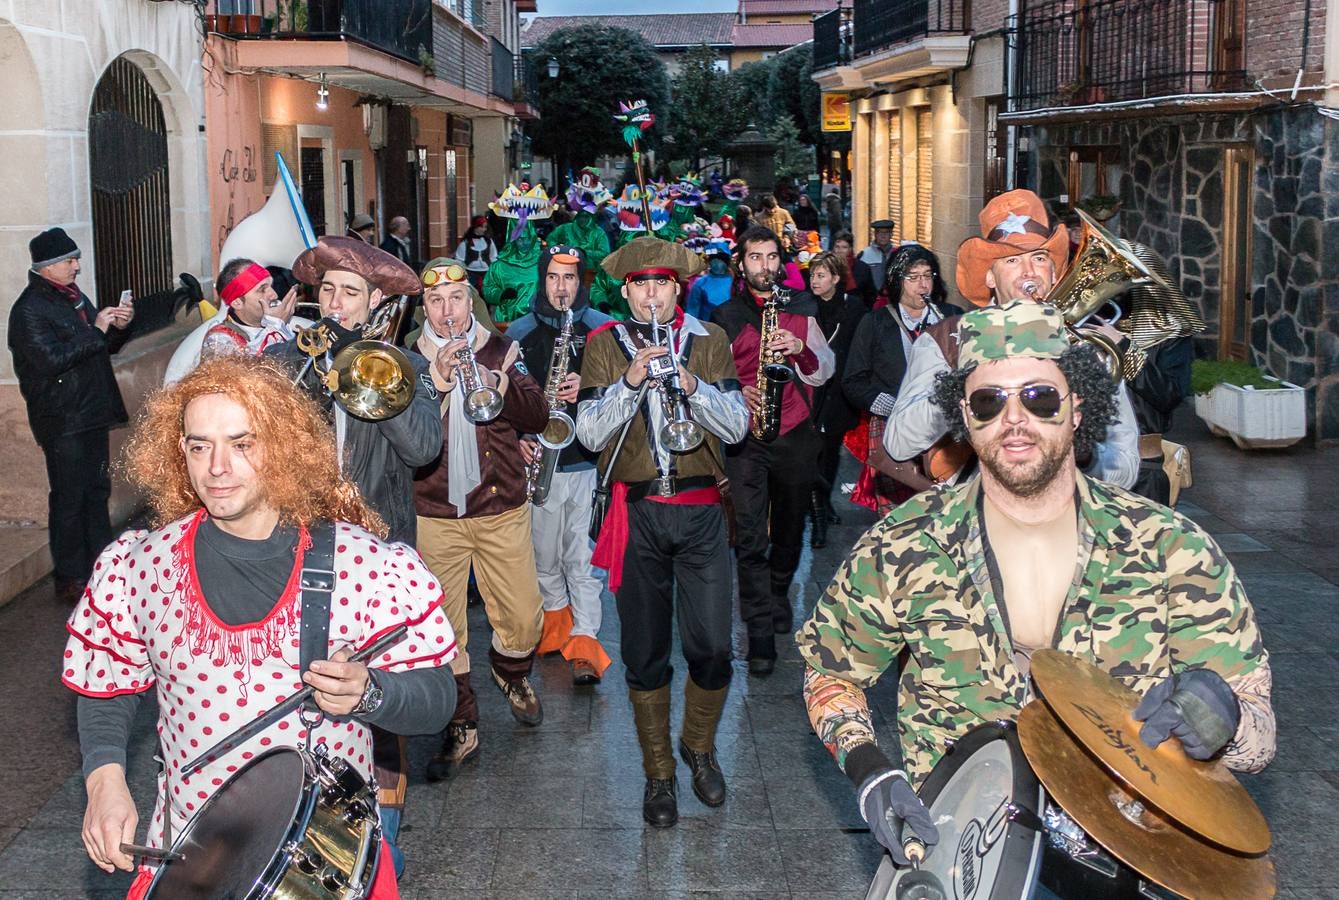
x=832 y=40
x=401 y=28
x=882 y=24
x=504 y=71
x=527 y=81
x=1076 y=52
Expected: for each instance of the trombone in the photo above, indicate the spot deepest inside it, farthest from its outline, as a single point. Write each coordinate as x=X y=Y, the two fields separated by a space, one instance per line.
x=679 y=434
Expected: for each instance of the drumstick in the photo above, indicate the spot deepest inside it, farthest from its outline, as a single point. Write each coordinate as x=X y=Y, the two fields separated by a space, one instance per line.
x=151 y=852
x=283 y=708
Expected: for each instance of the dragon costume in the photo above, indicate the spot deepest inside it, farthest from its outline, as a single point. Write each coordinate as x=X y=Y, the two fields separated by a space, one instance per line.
x=509 y=285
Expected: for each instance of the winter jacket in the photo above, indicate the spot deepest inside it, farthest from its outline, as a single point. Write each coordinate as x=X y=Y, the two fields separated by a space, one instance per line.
x=63 y=363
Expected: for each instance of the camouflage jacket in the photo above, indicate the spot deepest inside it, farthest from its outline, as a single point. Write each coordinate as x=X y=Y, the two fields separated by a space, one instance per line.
x=1152 y=595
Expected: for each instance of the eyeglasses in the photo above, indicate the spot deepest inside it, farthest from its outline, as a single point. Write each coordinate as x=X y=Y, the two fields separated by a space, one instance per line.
x=1041 y=400
x=452 y=273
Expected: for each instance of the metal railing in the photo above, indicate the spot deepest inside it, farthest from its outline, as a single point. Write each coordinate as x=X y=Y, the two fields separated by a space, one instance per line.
x=527 y=81
x=832 y=40
x=504 y=70
x=1075 y=52
x=401 y=28
x=883 y=24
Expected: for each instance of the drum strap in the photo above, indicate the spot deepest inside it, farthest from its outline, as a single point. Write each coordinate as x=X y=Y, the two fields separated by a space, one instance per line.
x=317 y=584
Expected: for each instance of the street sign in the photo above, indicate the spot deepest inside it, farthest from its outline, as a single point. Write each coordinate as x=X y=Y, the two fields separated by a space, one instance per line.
x=836 y=112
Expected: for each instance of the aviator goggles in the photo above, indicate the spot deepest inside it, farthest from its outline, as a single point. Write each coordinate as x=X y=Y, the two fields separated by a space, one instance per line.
x=1041 y=400
x=443 y=274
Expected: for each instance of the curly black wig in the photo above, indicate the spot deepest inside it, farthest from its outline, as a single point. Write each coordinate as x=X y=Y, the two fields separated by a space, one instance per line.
x=1089 y=380
x=903 y=260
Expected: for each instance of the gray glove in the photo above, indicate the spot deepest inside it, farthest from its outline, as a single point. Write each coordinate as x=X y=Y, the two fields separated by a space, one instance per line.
x=1197 y=706
x=887 y=802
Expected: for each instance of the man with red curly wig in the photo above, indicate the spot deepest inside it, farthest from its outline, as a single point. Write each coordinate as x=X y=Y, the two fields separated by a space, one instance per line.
x=207 y=607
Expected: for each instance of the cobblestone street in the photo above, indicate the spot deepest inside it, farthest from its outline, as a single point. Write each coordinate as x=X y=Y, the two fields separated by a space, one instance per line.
x=554 y=811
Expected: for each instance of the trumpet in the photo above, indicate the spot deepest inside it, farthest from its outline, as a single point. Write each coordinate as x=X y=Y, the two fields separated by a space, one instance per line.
x=679 y=434
x=371 y=378
x=482 y=403
x=560 y=430
x=773 y=373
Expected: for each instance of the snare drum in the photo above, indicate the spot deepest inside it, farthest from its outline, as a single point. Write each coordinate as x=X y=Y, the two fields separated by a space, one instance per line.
x=290 y=824
x=995 y=832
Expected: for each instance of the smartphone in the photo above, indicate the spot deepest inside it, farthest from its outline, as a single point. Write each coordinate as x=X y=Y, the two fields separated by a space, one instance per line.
x=127 y=298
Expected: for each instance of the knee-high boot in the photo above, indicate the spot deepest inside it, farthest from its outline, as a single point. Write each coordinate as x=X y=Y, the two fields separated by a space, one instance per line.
x=651 y=714
x=818 y=520
x=697 y=743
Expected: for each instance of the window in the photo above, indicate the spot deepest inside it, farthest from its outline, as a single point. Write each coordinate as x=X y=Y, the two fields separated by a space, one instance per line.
x=894 y=119
x=997 y=151
x=925 y=189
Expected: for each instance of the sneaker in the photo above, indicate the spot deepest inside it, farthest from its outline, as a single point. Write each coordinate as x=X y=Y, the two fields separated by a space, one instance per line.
x=521 y=696
x=460 y=743
x=584 y=672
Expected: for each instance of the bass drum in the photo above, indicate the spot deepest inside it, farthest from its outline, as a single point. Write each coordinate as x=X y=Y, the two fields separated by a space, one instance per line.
x=291 y=824
x=979 y=794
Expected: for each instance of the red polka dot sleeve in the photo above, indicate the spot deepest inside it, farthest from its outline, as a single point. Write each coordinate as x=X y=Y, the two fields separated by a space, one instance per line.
x=404 y=591
x=105 y=653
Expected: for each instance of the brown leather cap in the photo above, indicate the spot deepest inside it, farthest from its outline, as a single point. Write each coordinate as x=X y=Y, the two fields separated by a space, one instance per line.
x=379 y=268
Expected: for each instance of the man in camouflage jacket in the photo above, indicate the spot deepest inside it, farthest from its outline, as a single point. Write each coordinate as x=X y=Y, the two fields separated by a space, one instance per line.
x=1151 y=598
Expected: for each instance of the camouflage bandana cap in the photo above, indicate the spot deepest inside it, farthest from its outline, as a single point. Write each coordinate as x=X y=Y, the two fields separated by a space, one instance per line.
x=1021 y=329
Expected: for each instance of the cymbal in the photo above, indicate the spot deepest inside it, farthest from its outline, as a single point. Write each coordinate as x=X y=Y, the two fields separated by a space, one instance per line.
x=1137 y=835
x=1097 y=710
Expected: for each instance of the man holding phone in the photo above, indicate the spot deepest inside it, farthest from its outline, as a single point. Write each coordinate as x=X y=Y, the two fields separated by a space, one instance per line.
x=62 y=346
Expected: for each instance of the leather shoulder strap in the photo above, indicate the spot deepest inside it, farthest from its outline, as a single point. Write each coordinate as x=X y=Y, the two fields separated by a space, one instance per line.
x=317 y=584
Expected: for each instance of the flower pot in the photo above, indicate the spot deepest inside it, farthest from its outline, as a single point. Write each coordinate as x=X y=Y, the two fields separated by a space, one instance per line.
x=1256 y=418
x=215 y=23
x=253 y=24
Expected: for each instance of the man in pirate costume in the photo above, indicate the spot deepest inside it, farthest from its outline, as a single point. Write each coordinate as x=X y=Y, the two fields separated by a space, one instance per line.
x=247 y=290
x=352 y=279
x=471 y=503
x=1028 y=554
x=1018 y=257
x=773 y=481
x=665 y=536
x=209 y=607
x=571 y=592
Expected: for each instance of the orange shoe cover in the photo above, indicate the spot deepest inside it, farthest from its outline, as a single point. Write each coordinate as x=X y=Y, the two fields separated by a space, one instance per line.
x=583 y=646
x=557 y=630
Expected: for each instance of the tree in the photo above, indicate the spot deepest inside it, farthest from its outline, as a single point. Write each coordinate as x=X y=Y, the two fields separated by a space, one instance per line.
x=793 y=92
x=794 y=159
x=703 y=116
x=597 y=67
x=751 y=94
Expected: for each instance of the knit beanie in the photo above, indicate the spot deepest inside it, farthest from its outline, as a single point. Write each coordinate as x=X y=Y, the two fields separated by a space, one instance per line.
x=50 y=247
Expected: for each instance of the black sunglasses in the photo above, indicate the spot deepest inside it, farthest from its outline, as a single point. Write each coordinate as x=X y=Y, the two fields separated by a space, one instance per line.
x=1041 y=400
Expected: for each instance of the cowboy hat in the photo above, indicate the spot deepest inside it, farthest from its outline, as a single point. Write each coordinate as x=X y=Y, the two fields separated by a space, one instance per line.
x=1014 y=222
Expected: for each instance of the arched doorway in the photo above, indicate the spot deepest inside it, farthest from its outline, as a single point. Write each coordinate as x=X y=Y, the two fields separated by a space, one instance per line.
x=128 y=168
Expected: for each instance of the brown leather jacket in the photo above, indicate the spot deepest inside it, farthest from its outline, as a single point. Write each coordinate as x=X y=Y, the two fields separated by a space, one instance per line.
x=502 y=473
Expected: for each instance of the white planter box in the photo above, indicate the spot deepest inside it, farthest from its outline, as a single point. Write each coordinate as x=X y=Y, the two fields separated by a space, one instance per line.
x=1255 y=418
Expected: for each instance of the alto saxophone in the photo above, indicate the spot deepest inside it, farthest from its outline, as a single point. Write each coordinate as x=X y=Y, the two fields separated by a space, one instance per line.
x=773 y=372
x=560 y=430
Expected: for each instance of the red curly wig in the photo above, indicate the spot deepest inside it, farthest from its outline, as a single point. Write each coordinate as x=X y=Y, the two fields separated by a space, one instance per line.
x=300 y=471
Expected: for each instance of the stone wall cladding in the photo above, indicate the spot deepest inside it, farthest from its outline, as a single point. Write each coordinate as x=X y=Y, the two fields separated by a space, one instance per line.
x=1171 y=188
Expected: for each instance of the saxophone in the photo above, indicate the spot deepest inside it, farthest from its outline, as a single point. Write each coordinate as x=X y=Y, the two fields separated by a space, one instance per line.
x=773 y=372
x=560 y=430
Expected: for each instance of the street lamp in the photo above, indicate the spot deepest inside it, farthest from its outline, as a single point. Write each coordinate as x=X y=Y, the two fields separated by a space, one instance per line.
x=553 y=67
x=322 y=95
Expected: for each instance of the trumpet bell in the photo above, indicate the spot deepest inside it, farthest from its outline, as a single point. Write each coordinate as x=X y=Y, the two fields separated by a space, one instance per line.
x=559 y=431
x=483 y=404
x=375 y=380
x=681 y=436
x=1103 y=267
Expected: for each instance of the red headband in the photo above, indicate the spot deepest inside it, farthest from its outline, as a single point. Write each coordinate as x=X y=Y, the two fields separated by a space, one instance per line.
x=251 y=276
x=671 y=274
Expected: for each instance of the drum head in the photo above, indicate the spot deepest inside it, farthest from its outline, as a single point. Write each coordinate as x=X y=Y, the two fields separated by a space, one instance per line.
x=981 y=854
x=236 y=835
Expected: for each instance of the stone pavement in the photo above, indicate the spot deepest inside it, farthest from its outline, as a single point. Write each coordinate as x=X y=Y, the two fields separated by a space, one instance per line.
x=554 y=811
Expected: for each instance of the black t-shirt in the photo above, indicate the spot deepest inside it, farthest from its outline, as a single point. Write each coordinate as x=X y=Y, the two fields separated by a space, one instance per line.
x=243 y=579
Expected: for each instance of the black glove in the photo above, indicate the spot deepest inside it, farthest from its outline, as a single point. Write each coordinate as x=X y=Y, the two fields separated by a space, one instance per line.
x=1197 y=706
x=887 y=802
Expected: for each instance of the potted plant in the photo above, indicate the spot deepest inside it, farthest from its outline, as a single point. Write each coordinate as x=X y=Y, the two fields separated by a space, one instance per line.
x=1237 y=400
x=426 y=61
x=1101 y=207
x=267 y=25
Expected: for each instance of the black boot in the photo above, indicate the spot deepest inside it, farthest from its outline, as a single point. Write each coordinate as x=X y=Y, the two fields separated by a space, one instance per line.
x=818 y=522
x=828 y=512
x=697 y=743
x=650 y=713
x=762 y=654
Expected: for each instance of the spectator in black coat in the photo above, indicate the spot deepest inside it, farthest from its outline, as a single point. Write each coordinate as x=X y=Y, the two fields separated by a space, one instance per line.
x=62 y=348
x=839 y=313
x=877 y=359
x=397 y=242
x=804 y=214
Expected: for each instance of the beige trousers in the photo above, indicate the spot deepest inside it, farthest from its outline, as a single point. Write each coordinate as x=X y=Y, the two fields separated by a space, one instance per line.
x=500 y=549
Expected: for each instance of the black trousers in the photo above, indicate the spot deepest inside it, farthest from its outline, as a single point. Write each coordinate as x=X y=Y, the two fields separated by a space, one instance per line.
x=771 y=484
x=829 y=455
x=77 y=468
x=677 y=562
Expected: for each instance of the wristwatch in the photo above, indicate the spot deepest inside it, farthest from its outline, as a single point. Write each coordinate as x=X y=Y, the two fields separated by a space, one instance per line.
x=370 y=702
